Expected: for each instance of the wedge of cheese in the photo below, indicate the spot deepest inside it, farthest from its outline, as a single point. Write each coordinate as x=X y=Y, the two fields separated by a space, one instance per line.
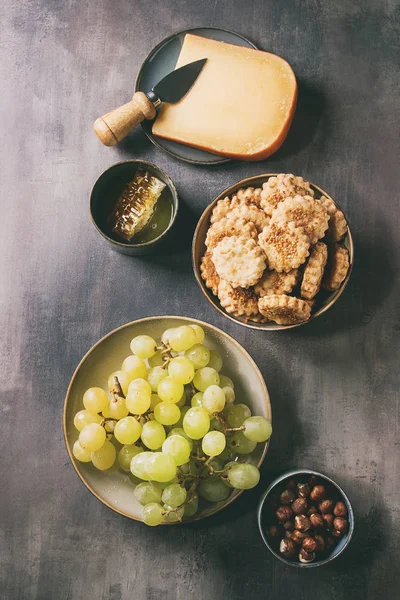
x=241 y=105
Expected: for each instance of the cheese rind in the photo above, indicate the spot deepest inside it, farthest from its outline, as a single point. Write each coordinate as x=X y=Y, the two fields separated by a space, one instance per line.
x=241 y=105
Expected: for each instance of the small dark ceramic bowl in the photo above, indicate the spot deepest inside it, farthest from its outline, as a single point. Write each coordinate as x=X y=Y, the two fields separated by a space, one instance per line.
x=265 y=513
x=107 y=190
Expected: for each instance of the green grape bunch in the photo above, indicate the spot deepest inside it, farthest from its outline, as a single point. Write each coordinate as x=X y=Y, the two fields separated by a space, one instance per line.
x=171 y=420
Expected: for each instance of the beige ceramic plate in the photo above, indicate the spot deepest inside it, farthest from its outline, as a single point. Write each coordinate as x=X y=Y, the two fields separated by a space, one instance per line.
x=199 y=248
x=114 y=488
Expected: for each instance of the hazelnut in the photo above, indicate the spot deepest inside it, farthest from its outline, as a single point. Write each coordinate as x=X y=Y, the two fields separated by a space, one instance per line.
x=274 y=531
x=311 y=511
x=328 y=520
x=336 y=533
x=291 y=484
x=340 y=509
x=302 y=523
x=298 y=536
x=287 y=548
x=313 y=480
x=288 y=534
x=306 y=557
x=317 y=493
x=340 y=524
x=303 y=490
x=283 y=513
x=326 y=506
x=287 y=497
x=299 y=506
x=309 y=544
x=330 y=542
x=288 y=525
x=317 y=521
x=319 y=540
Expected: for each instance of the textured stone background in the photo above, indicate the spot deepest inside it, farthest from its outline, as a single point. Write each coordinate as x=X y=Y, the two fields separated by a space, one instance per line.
x=334 y=384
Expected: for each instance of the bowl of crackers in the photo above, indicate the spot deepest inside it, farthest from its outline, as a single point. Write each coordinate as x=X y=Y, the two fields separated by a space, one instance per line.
x=273 y=252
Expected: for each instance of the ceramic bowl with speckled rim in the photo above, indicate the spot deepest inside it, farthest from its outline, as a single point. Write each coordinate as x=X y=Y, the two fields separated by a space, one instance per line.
x=114 y=487
x=264 y=514
x=199 y=248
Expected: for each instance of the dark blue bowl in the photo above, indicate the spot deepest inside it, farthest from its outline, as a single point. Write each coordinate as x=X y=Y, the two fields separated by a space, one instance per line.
x=342 y=542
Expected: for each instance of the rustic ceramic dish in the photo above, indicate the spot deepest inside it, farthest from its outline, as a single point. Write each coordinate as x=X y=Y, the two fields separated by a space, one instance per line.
x=114 y=488
x=275 y=488
x=199 y=247
x=105 y=193
x=161 y=61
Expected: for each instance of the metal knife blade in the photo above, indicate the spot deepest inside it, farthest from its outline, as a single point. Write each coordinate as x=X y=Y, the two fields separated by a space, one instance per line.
x=174 y=86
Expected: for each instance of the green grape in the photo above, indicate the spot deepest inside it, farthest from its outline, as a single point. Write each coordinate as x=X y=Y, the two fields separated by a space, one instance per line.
x=104 y=458
x=216 y=464
x=116 y=409
x=161 y=485
x=191 y=506
x=166 y=336
x=229 y=395
x=182 y=338
x=161 y=467
x=155 y=375
x=213 y=399
x=178 y=448
x=180 y=431
x=92 y=437
x=127 y=430
x=84 y=417
x=243 y=476
x=170 y=390
x=147 y=492
x=197 y=399
x=225 y=381
x=154 y=400
x=175 y=515
x=80 y=453
x=227 y=454
x=140 y=464
x=126 y=454
x=196 y=423
x=190 y=468
x=215 y=361
x=109 y=426
x=257 y=429
x=134 y=367
x=181 y=369
x=174 y=495
x=139 y=396
x=152 y=514
x=213 y=443
x=182 y=401
x=199 y=355
x=199 y=331
x=167 y=413
x=156 y=361
x=240 y=444
x=153 y=434
x=213 y=489
x=216 y=425
x=204 y=378
x=123 y=379
x=143 y=346
x=184 y=410
x=237 y=414
x=95 y=400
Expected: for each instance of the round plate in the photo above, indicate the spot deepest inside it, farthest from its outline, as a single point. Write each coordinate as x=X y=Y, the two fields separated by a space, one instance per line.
x=199 y=248
x=161 y=61
x=114 y=487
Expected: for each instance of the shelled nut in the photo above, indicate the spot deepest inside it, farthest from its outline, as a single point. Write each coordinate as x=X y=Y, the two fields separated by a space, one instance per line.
x=287 y=497
x=318 y=493
x=340 y=509
x=317 y=521
x=287 y=548
x=299 y=506
x=309 y=544
x=306 y=557
x=283 y=513
x=326 y=506
x=302 y=523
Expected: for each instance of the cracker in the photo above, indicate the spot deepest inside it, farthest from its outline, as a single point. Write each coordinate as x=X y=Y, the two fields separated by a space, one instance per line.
x=249 y=212
x=304 y=212
x=238 y=301
x=285 y=246
x=239 y=261
x=284 y=310
x=228 y=227
x=314 y=271
x=277 y=189
x=273 y=282
x=337 y=223
x=208 y=272
x=337 y=269
x=250 y=195
x=221 y=209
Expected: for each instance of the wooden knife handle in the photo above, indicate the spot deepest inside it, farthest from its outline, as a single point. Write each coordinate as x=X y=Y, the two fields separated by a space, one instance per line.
x=115 y=125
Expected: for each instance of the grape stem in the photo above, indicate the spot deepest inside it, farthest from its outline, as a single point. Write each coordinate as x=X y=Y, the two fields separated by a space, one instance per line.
x=117 y=390
x=235 y=429
x=166 y=354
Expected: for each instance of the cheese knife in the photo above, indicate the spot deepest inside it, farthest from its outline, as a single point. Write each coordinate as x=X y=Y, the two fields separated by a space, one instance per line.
x=115 y=125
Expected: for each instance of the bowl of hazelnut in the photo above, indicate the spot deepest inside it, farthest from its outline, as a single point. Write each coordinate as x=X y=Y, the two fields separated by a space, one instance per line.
x=305 y=519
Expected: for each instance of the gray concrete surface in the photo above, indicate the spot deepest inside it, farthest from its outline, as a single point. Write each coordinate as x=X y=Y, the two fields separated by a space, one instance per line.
x=334 y=384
